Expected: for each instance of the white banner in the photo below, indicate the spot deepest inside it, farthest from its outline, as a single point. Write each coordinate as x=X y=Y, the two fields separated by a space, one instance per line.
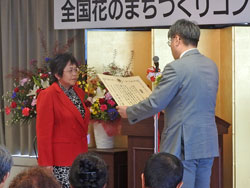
x=76 y=14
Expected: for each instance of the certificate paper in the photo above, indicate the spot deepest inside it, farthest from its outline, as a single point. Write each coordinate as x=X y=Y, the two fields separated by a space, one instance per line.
x=126 y=90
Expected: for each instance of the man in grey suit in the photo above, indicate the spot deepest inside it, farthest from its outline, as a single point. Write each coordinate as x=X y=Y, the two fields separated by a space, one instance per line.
x=187 y=93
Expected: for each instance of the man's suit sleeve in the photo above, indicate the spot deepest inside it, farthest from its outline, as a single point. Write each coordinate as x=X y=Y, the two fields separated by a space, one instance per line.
x=44 y=126
x=159 y=99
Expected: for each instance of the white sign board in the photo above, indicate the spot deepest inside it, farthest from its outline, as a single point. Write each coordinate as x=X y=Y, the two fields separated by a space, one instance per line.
x=76 y=14
x=126 y=90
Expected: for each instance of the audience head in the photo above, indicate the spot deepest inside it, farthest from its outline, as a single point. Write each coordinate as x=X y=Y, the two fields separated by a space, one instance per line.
x=59 y=62
x=162 y=170
x=88 y=171
x=5 y=164
x=35 y=177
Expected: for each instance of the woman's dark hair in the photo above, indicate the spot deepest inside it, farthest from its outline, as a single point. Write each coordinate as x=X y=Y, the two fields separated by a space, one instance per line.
x=88 y=171
x=59 y=62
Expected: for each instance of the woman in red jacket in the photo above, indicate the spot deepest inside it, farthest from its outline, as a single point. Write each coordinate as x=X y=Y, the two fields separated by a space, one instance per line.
x=62 y=119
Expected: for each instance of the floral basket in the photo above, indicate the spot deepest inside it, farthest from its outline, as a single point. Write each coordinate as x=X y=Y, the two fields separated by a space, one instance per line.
x=104 y=116
x=104 y=132
x=105 y=120
x=102 y=140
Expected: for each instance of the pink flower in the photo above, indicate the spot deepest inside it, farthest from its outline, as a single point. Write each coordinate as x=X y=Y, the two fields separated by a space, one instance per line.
x=7 y=110
x=23 y=81
x=111 y=102
x=108 y=96
x=26 y=111
x=33 y=103
x=103 y=107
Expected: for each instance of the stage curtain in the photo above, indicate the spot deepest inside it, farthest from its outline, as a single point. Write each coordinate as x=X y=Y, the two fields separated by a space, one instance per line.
x=1 y=89
x=22 y=24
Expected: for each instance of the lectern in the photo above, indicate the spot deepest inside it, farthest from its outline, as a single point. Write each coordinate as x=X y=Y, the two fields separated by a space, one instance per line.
x=141 y=146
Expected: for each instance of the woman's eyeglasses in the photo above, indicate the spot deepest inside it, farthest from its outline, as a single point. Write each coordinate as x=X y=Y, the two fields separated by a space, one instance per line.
x=71 y=71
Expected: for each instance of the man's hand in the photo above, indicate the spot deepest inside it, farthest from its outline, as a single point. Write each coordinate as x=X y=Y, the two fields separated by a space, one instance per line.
x=122 y=111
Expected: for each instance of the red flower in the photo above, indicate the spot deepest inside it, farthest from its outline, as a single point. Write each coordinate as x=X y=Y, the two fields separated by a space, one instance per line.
x=103 y=107
x=152 y=78
x=88 y=103
x=16 y=89
x=101 y=100
x=13 y=104
x=38 y=91
x=7 y=110
x=26 y=111
x=44 y=75
x=111 y=102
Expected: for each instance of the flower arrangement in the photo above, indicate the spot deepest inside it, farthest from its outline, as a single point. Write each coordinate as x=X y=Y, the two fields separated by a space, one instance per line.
x=153 y=75
x=21 y=101
x=98 y=99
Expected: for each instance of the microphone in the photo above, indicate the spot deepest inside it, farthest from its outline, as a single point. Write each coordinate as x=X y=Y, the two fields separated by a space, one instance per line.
x=156 y=62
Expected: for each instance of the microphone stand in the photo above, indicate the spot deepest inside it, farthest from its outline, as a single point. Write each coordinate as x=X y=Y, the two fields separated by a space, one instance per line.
x=156 y=133
x=156 y=119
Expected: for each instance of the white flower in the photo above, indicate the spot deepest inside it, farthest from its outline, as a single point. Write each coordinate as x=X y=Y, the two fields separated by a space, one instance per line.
x=99 y=94
x=33 y=91
x=45 y=83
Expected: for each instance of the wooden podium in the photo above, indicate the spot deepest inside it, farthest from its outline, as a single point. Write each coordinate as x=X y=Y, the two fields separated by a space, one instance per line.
x=141 y=146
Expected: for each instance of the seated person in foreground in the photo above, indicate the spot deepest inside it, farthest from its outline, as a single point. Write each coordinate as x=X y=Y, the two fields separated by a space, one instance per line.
x=6 y=163
x=88 y=171
x=35 y=177
x=162 y=170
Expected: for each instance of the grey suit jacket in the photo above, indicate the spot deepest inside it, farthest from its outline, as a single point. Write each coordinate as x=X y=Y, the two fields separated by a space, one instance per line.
x=187 y=93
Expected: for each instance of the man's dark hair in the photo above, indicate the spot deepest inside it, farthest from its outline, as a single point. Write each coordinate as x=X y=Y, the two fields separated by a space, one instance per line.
x=88 y=171
x=163 y=170
x=59 y=62
x=6 y=162
x=188 y=31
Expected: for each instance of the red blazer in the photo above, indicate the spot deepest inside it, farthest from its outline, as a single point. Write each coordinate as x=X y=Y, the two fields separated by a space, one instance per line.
x=61 y=130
